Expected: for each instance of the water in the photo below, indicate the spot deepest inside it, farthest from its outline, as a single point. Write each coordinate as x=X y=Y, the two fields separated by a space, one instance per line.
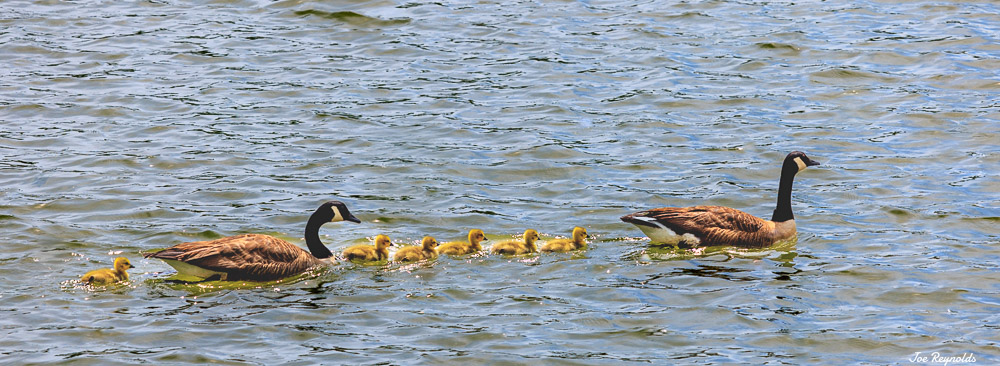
x=132 y=126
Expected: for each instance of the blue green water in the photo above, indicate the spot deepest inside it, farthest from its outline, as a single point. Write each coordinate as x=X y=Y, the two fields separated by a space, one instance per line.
x=131 y=126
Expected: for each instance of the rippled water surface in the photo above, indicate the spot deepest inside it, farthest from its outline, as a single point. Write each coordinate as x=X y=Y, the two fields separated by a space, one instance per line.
x=129 y=126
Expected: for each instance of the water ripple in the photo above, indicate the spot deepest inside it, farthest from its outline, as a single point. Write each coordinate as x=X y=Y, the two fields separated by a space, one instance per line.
x=134 y=126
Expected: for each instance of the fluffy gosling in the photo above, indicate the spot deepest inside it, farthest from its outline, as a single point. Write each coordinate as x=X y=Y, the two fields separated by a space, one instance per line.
x=369 y=253
x=476 y=236
x=426 y=250
x=105 y=276
x=579 y=241
x=514 y=247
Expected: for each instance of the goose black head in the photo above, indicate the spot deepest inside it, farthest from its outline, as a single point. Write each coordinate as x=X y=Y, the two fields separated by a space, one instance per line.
x=799 y=160
x=335 y=211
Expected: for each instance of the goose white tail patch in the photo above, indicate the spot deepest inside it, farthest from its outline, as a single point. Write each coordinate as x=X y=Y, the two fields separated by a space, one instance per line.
x=690 y=239
x=650 y=220
x=661 y=234
x=193 y=270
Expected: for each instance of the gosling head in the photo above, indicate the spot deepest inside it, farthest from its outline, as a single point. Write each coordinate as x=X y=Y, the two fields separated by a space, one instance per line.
x=382 y=242
x=335 y=211
x=530 y=236
x=429 y=243
x=476 y=236
x=122 y=263
x=579 y=234
x=798 y=160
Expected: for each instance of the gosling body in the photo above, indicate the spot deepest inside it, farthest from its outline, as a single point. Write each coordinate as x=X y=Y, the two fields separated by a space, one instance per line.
x=106 y=276
x=255 y=257
x=370 y=253
x=426 y=250
x=578 y=241
x=718 y=225
x=515 y=247
x=476 y=237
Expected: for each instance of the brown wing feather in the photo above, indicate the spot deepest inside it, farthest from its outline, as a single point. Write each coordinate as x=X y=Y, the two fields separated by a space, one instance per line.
x=243 y=257
x=715 y=225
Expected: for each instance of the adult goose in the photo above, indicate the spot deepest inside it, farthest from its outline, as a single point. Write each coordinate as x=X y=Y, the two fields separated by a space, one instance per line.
x=255 y=257
x=716 y=225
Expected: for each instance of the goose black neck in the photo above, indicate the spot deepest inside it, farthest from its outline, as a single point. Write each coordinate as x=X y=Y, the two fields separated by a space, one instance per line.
x=315 y=245
x=783 y=211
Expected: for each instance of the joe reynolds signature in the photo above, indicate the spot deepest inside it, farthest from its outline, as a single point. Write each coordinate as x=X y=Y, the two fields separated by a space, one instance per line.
x=936 y=357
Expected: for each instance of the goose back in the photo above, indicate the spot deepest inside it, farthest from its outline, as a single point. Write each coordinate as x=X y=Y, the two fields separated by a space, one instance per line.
x=242 y=257
x=705 y=226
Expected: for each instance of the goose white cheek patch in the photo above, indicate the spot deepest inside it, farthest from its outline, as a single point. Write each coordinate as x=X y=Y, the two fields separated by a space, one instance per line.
x=802 y=166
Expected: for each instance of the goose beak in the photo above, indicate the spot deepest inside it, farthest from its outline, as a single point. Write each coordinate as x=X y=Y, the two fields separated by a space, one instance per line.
x=353 y=219
x=812 y=163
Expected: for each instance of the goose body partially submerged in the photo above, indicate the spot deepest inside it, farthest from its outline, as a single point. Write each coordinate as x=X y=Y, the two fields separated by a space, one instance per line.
x=255 y=257
x=718 y=225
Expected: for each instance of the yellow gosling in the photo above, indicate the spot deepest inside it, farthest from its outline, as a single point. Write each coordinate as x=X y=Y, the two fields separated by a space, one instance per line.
x=514 y=247
x=426 y=250
x=476 y=236
x=105 y=276
x=579 y=241
x=370 y=253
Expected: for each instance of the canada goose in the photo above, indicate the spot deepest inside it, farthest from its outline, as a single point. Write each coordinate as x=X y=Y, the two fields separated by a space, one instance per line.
x=716 y=225
x=460 y=247
x=370 y=253
x=255 y=257
x=517 y=247
x=426 y=250
x=105 y=276
x=579 y=241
